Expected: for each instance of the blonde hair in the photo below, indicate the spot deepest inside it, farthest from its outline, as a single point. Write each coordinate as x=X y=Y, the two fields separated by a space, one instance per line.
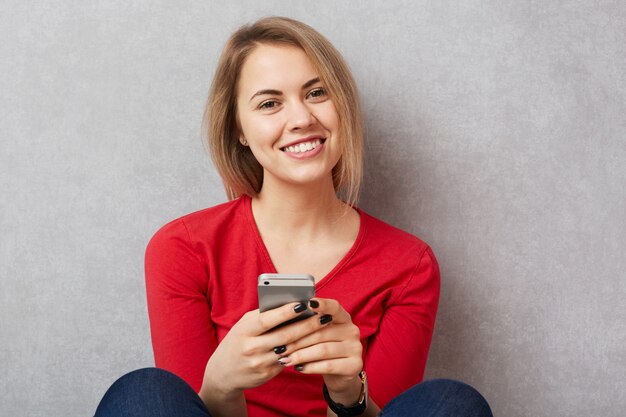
x=240 y=171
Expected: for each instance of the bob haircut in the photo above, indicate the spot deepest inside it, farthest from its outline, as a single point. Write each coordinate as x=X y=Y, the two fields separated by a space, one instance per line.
x=240 y=171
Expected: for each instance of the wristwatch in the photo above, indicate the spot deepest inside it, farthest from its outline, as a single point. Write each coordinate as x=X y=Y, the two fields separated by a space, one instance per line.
x=354 y=410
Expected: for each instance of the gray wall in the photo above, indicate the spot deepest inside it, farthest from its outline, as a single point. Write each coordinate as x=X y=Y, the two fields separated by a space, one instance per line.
x=496 y=132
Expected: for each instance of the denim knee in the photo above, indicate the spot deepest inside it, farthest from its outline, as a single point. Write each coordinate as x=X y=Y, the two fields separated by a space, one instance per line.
x=440 y=398
x=150 y=392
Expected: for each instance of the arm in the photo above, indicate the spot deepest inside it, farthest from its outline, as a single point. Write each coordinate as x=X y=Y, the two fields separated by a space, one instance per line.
x=397 y=353
x=350 y=397
x=183 y=336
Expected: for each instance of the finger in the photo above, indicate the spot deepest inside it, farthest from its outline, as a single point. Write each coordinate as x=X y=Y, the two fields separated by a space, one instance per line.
x=332 y=307
x=262 y=367
x=267 y=320
x=334 y=333
x=325 y=351
x=338 y=366
x=287 y=335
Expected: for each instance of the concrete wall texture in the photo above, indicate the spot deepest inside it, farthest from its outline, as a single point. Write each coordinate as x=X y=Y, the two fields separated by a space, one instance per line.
x=496 y=131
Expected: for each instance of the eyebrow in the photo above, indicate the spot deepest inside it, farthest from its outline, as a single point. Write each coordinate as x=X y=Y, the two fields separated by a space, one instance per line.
x=279 y=93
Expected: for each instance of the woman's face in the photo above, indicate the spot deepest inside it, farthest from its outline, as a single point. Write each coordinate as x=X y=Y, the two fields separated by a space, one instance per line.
x=286 y=116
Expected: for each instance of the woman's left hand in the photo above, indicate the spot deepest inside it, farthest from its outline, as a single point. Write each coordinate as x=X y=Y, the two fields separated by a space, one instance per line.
x=334 y=351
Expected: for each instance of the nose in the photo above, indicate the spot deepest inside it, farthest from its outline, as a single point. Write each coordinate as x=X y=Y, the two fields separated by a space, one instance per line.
x=300 y=116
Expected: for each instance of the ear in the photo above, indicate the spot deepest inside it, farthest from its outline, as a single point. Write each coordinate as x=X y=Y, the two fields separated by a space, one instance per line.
x=236 y=131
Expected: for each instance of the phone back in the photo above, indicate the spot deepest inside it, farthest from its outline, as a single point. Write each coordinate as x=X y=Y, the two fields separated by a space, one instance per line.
x=276 y=290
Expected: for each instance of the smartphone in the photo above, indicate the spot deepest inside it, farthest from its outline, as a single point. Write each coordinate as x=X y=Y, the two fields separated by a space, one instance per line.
x=276 y=290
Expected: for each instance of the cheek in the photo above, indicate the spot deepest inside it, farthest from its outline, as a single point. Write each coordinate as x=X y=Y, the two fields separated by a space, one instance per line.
x=328 y=116
x=245 y=123
x=261 y=129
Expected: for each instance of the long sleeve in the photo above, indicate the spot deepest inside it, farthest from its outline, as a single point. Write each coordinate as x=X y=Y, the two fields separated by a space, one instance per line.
x=183 y=336
x=397 y=353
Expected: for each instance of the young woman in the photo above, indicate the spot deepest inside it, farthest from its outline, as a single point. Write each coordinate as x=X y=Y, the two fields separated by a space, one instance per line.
x=285 y=130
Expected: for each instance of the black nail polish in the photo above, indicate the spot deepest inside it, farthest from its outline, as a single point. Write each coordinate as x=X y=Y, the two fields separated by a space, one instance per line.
x=299 y=308
x=314 y=303
x=280 y=349
x=299 y=368
x=326 y=318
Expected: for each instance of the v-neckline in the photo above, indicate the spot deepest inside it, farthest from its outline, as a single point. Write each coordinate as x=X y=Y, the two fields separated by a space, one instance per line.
x=247 y=201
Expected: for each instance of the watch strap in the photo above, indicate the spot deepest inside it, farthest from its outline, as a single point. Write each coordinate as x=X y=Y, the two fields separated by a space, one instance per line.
x=353 y=410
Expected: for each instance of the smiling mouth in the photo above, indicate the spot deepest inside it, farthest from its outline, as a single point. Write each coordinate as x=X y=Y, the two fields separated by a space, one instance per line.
x=303 y=146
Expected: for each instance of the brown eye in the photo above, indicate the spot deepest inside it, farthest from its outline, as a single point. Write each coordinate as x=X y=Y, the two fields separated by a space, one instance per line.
x=269 y=104
x=317 y=93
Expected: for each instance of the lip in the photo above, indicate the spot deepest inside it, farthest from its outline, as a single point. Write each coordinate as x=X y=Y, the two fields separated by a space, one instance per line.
x=307 y=139
x=306 y=154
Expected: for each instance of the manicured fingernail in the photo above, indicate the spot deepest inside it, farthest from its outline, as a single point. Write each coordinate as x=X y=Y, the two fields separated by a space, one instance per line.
x=326 y=318
x=280 y=349
x=314 y=303
x=284 y=360
x=299 y=308
x=299 y=368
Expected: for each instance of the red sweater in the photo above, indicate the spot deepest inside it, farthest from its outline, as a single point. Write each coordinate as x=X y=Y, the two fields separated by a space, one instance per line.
x=201 y=276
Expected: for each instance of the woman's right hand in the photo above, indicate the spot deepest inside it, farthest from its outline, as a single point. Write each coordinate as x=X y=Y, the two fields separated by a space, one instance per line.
x=247 y=358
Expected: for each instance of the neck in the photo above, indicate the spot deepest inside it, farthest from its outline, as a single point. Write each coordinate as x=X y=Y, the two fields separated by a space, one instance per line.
x=290 y=210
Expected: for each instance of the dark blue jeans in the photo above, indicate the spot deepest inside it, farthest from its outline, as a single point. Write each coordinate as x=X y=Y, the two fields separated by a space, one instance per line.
x=154 y=392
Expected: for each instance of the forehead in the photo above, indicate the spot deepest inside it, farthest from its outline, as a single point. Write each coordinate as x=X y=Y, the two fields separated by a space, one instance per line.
x=275 y=66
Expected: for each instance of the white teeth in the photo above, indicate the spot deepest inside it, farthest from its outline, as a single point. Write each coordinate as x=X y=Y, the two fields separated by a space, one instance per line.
x=303 y=147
